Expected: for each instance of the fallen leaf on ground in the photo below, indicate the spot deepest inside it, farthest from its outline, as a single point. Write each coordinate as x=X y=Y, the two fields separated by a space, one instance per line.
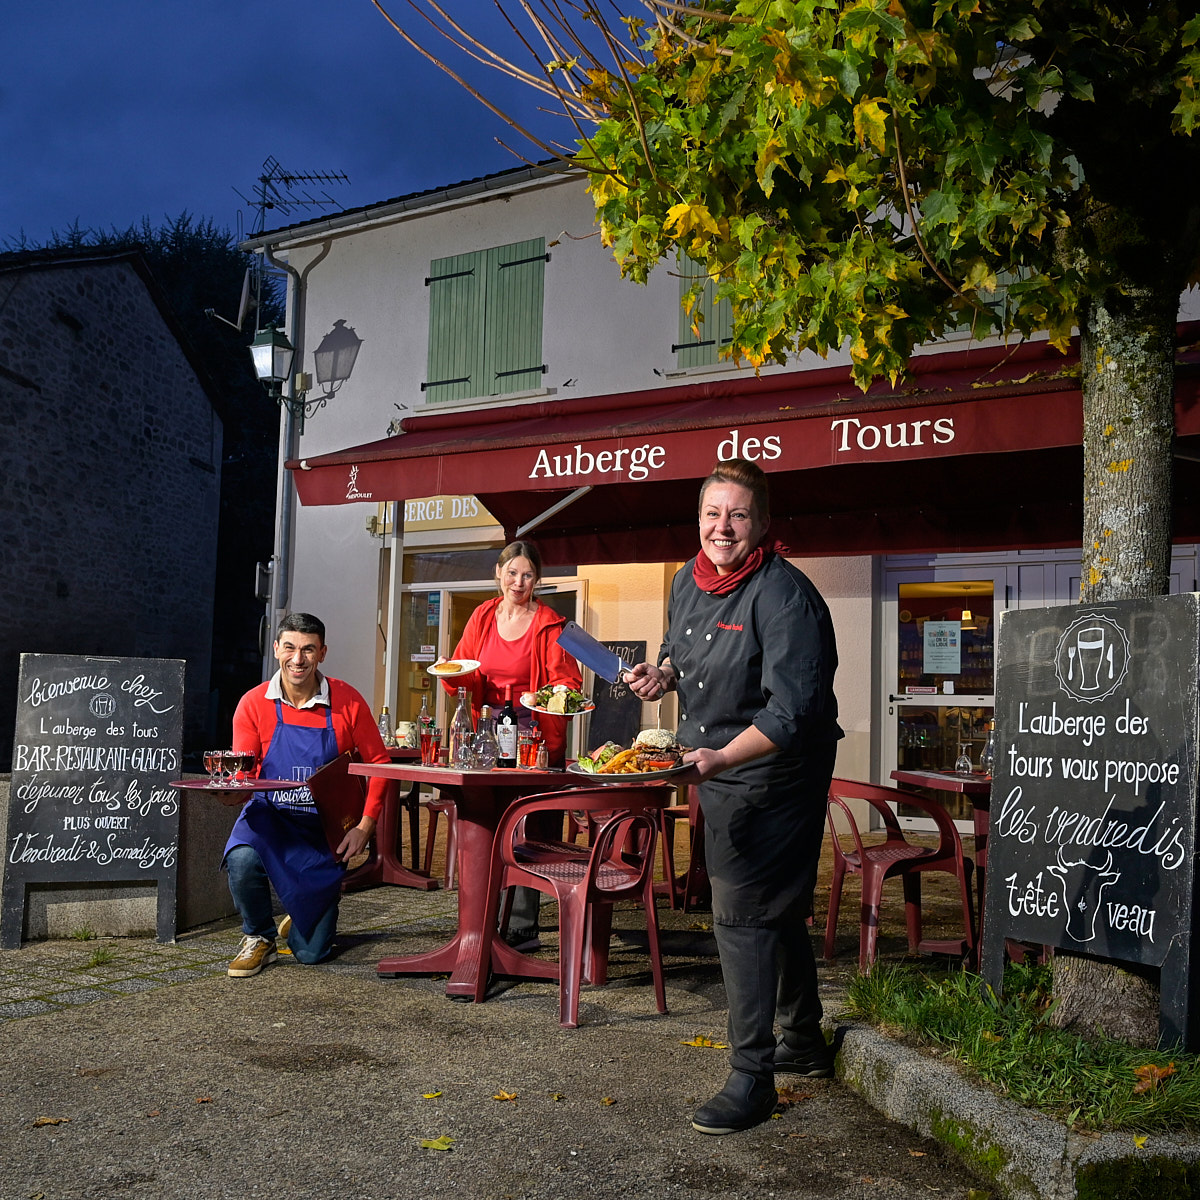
x=557 y=1096
x=607 y=1100
x=505 y=1096
x=1139 y=1140
x=798 y=1135
x=700 y=926
x=989 y=1036
x=708 y=1043
x=1150 y=1076
x=917 y=1153
x=51 y=1120
x=430 y=1095
x=203 y=1099
x=438 y=1143
x=154 y=1112
x=790 y=1095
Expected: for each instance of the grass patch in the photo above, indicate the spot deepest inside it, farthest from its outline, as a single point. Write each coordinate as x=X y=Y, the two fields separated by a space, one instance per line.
x=1006 y=1042
x=83 y=934
x=100 y=956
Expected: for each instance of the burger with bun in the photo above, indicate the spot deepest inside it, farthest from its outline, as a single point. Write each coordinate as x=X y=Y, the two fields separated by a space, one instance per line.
x=657 y=750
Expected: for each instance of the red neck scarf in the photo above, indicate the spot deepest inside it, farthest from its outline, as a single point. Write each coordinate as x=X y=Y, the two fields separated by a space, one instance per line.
x=707 y=579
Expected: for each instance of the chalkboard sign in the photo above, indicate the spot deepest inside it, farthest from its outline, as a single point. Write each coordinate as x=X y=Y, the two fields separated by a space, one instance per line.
x=1093 y=803
x=618 y=715
x=97 y=742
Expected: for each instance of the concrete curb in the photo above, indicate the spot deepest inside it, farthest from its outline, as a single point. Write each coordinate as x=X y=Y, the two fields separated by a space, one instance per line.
x=1025 y=1155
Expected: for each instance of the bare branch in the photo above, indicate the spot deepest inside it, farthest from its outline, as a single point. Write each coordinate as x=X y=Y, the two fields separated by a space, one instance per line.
x=691 y=11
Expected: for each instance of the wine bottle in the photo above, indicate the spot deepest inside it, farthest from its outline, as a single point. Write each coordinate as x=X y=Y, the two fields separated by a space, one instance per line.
x=424 y=719
x=461 y=733
x=506 y=731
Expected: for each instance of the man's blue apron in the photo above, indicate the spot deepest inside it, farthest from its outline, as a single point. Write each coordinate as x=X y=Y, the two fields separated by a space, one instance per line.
x=284 y=827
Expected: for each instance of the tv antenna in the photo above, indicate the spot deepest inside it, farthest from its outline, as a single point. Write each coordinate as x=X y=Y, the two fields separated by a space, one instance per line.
x=286 y=193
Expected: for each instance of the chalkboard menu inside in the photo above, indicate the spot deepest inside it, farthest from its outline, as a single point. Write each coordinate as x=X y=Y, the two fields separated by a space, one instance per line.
x=1093 y=803
x=618 y=715
x=97 y=742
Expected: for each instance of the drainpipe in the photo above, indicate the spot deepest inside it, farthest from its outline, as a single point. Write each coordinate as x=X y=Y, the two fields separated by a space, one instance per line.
x=285 y=490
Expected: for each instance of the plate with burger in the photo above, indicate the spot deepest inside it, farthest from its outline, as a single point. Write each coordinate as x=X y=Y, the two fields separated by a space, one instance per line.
x=655 y=754
x=454 y=666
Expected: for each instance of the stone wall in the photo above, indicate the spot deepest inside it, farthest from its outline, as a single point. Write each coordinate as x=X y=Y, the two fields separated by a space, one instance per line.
x=108 y=538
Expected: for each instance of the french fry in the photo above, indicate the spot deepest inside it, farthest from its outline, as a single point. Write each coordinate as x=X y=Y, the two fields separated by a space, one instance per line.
x=616 y=764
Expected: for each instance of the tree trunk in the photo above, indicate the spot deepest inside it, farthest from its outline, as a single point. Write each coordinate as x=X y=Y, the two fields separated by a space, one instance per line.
x=1127 y=369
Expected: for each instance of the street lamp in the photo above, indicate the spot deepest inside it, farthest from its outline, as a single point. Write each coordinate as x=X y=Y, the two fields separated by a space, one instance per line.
x=273 y=354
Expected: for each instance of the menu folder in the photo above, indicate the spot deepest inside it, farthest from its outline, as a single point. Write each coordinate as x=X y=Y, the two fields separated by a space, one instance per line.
x=339 y=797
x=592 y=653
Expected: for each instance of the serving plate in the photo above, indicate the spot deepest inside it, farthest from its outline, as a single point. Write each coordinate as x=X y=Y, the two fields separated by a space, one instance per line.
x=549 y=712
x=628 y=776
x=465 y=667
x=237 y=791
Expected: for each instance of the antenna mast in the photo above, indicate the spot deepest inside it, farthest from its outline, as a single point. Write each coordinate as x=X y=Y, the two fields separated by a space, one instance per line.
x=287 y=193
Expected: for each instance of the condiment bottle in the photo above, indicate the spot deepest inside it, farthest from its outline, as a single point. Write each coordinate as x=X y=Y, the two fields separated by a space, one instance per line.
x=385 y=727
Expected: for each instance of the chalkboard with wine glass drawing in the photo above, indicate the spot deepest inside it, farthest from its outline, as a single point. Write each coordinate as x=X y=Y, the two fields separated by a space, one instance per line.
x=97 y=743
x=618 y=715
x=1093 y=808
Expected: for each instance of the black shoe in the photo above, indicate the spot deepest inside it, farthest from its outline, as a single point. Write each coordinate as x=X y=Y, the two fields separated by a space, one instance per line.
x=524 y=943
x=745 y=1101
x=813 y=1061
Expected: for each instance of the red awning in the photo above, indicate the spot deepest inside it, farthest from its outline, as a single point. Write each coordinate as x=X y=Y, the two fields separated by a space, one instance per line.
x=980 y=450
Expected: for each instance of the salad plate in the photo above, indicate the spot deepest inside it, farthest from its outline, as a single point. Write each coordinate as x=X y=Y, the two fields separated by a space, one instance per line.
x=575 y=704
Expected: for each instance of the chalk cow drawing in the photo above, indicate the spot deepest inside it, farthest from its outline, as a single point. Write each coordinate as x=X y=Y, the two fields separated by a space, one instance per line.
x=1086 y=882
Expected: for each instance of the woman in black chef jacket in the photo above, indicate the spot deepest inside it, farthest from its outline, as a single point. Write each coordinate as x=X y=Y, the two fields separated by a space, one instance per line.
x=750 y=649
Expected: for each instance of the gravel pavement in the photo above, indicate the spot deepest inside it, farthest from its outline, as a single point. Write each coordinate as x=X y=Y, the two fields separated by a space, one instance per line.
x=136 y=1070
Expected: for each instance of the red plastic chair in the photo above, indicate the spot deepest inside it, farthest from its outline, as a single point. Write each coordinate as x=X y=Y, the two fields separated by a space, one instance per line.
x=895 y=856
x=434 y=809
x=618 y=864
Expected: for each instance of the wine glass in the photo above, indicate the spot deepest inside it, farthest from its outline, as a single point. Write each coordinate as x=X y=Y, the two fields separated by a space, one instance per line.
x=246 y=760
x=212 y=764
x=962 y=764
x=229 y=767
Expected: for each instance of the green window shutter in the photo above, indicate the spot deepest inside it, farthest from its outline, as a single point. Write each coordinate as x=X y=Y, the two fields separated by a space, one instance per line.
x=711 y=317
x=457 y=293
x=512 y=354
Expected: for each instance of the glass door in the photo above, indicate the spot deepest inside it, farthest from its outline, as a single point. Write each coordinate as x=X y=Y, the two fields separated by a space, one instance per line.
x=939 y=635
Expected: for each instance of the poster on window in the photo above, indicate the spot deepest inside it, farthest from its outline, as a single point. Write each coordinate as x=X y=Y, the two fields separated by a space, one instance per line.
x=943 y=647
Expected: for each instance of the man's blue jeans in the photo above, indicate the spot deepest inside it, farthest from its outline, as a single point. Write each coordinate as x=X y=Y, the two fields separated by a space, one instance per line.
x=251 y=892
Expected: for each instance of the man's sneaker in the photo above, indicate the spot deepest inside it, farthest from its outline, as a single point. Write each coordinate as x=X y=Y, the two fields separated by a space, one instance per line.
x=284 y=928
x=524 y=943
x=813 y=1062
x=255 y=953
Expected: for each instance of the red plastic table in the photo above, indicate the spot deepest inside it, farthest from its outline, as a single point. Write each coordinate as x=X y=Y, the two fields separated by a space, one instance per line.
x=386 y=864
x=978 y=790
x=480 y=798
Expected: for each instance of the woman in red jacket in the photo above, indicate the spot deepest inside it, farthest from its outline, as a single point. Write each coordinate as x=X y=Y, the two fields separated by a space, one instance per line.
x=514 y=638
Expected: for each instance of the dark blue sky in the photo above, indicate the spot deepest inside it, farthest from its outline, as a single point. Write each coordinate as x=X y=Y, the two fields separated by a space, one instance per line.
x=128 y=108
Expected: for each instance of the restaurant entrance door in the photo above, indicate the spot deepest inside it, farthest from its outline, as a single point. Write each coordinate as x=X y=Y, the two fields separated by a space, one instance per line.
x=938 y=637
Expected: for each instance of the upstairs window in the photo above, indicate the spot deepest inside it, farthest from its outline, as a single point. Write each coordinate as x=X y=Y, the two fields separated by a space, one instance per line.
x=708 y=327
x=485 y=322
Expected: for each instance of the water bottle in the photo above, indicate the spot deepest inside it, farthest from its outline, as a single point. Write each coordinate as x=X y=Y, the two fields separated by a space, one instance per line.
x=484 y=749
x=462 y=733
x=385 y=727
x=987 y=760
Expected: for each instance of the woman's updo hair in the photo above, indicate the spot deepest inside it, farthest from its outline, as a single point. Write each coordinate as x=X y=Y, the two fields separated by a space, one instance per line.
x=745 y=474
x=525 y=550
